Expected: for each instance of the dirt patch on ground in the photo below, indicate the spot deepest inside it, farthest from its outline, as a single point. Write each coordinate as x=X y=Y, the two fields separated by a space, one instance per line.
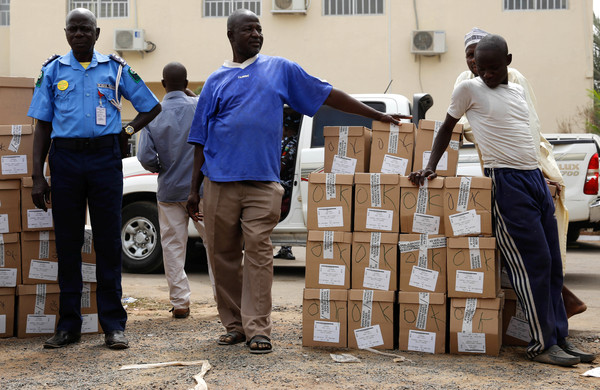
x=156 y=337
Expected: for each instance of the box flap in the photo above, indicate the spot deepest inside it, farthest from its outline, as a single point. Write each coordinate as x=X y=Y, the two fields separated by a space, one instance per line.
x=334 y=294
x=340 y=178
x=26 y=129
x=413 y=297
x=463 y=242
x=482 y=303
x=476 y=182
x=378 y=295
x=31 y=289
x=384 y=126
x=17 y=82
x=10 y=184
x=428 y=124
x=35 y=236
x=384 y=178
x=10 y=238
x=7 y=290
x=510 y=294
x=353 y=131
x=438 y=182
x=315 y=235
x=386 y=238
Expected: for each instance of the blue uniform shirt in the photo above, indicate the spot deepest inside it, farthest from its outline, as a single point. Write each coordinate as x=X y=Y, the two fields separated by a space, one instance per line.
x=239 y=118
x=67 y=95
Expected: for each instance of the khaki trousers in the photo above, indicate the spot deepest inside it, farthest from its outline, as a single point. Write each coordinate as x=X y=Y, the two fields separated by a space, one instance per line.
x=239 y=218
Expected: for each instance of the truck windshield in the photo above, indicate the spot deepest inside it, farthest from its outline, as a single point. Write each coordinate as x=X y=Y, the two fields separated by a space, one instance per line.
x=328 y=116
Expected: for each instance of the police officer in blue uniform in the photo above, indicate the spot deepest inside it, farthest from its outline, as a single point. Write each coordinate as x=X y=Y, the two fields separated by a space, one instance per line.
x=77 y=106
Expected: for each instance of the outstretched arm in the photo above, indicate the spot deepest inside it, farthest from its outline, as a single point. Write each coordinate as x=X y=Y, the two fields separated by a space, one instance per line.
x=342 y=101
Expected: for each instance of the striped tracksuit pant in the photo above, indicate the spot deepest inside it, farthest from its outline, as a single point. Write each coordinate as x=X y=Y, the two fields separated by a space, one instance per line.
x=527 y=235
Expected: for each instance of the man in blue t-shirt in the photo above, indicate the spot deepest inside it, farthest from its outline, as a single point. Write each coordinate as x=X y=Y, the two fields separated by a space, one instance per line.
x=237 y=133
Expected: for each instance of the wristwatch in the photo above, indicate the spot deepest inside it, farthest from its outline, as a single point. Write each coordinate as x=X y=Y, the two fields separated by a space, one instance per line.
x=129 y=130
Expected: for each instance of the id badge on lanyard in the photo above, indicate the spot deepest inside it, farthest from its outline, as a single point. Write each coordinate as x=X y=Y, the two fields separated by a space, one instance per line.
x=100 y=111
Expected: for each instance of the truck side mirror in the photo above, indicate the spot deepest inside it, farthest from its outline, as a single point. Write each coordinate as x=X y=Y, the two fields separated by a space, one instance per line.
x=421 y=103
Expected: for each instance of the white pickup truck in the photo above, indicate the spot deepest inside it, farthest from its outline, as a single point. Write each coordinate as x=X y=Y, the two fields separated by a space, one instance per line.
x=140 y=237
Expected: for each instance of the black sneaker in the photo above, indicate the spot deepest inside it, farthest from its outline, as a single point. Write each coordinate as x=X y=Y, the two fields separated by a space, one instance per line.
x=555 y=355
x=572 y=350
x=285 y=253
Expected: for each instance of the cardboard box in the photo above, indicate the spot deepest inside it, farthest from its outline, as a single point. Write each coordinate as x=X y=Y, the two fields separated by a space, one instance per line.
x=325 y=318
x=354 y=149
x=448 y=163
x=468 y=206
x=334 y=213
x=515 y=327
x=428 y=332
x=429 y=276
x=473 y=267
x=376 y=202
x=15 y=97
x=328 y=259
x=10 y=260
x=39 y=258
x=425 y=215
x=10 y=206
x=372 y=328
x=381 y=272
x=7 y=311
x=33 y=219
x=483 y=334
x=41 y=320
x=16 y=151
x=392 y=148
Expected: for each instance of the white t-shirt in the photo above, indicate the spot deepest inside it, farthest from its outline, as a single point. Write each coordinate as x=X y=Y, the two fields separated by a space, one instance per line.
x=499 y=119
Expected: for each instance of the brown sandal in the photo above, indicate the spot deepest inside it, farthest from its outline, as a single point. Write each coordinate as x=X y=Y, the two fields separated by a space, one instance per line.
x=232 y=338
x=260 y=344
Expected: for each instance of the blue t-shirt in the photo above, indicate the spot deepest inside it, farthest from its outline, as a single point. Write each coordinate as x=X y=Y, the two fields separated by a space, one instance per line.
x=67 y=95
x=239 y=118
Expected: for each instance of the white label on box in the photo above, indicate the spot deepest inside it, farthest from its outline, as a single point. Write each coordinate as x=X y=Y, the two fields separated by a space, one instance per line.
x=437 y=242
x=471 y=342
x=88 y=272
x=470 y=308
x=44 y=270
x=44 y=235
x=328 y=244
x=367 y=309
x=423 y=278
x=374 y=249
x=395 y=165
x=327 y=332
x=424 y=223
x=86 y=295
x=518 y=329
x=423 y=251
x=40 y=323
x=408 y=246
x=330 y=186
x=423 y=310
x=454 y=145
x=14 y=164
x=379 y=219
x=90 y=323
x=324 y=306
x=463 y=194
x=474 y=252
x=2 y=261
x=468 y=222
x=40 y=299
x=87 y=241
x=44 y=252
x=345 y=165
x=2 y=323
x=442 y=164
x=422 y=198
x=330 y=217
x=334 y=275
x=368 y=337
x=15 y=142
x=8 y=277
x=375 y=185
x=421 y=341
x=4 y=223
x=469 y=281
x=393 y=138
x=377 y=279
x=343 y=141
x=38 y=218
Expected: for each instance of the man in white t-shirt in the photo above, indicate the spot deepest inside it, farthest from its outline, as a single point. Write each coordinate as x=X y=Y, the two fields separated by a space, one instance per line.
x=523 y=210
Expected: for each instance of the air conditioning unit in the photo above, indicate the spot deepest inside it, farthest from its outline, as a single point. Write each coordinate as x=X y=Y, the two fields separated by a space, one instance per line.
x=289 y=6
x=428 y=42
x=129 y=39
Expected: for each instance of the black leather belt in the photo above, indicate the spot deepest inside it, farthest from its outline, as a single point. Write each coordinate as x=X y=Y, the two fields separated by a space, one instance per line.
x=81 y=144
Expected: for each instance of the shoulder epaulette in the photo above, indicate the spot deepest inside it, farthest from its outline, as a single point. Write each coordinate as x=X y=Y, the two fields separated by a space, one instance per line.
x=50 y=59
x=115 y=57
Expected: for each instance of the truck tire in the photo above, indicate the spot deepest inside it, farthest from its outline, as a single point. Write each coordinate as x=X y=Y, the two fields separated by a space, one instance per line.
x=573 y=234
x=140 y=238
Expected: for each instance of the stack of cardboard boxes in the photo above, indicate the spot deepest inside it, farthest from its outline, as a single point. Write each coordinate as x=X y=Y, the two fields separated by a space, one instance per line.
x=383 y=256
x=28 y=262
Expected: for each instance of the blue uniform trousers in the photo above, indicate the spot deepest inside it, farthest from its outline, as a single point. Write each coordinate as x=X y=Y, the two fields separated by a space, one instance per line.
x=527 y=236
x=91 y=176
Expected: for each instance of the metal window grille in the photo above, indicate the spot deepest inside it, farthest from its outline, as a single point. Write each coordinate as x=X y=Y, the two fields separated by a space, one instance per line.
x=103 y=8
x=353 y=7
x=4 y=12
x=224 y=8
x=524 y=5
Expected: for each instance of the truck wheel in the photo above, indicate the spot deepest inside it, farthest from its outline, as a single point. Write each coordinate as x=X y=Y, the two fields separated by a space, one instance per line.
x=573 y=234
x=140 y=238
